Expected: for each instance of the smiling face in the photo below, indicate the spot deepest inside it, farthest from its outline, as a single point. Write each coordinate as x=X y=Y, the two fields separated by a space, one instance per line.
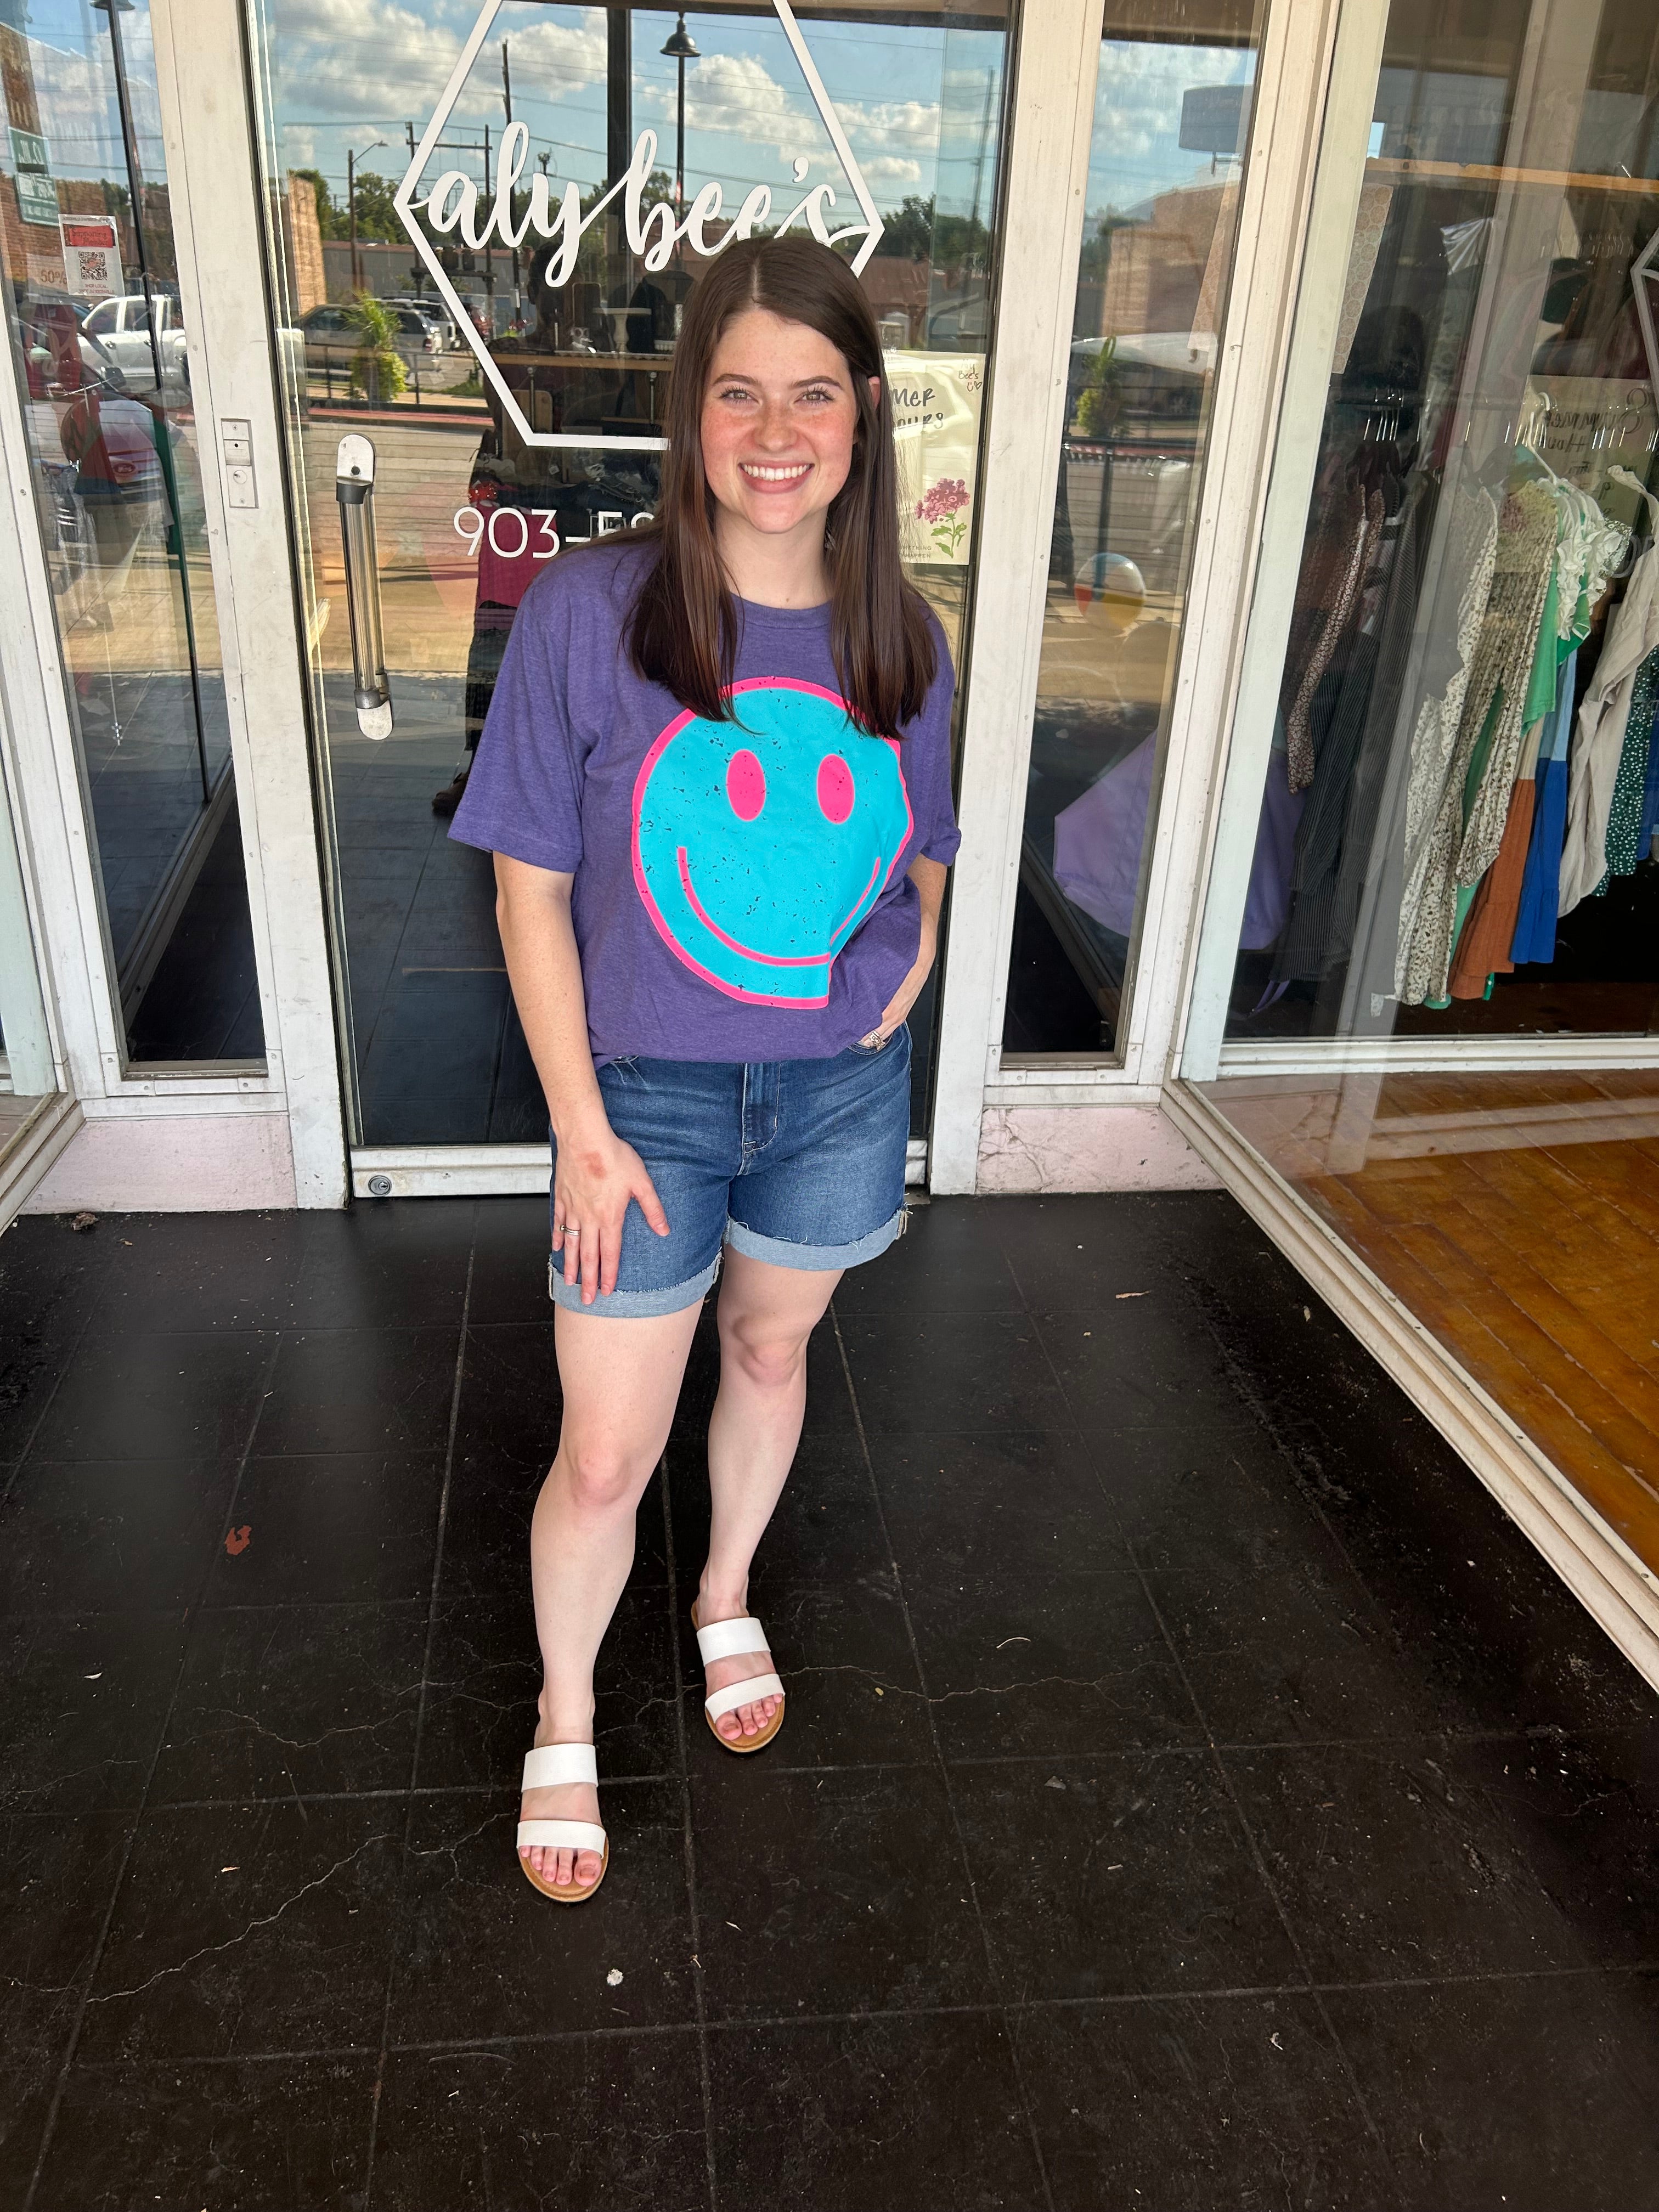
x=761 y=845
x=778 y=428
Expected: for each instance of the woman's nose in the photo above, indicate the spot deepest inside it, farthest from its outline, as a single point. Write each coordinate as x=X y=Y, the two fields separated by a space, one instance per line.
x=775 y=430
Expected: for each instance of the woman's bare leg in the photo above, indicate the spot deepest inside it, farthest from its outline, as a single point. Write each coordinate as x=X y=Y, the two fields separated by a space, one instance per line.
x=620 y=1380
x=766 y=1315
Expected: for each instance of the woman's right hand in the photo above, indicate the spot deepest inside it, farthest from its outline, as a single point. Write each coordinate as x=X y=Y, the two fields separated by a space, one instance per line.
x=597 y=1174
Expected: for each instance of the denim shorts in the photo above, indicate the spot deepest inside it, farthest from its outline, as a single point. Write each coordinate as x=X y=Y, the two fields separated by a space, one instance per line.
x=800 y=1162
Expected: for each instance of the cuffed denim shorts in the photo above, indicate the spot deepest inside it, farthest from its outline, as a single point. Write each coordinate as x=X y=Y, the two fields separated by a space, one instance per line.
x=800 y=1162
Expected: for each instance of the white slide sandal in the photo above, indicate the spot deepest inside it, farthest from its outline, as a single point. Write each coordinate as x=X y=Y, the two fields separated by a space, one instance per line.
x=545 y=1769
x=730 y=1639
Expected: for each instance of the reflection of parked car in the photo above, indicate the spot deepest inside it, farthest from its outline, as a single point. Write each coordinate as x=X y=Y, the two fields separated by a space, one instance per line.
x=122 y=328
x=332 y=335
x=434 y=314
x=58 y=357
x=112 y=441
x=963 y=323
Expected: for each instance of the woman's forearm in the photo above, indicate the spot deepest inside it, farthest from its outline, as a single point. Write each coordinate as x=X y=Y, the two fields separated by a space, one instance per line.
x=928 y=877
x=532 y=911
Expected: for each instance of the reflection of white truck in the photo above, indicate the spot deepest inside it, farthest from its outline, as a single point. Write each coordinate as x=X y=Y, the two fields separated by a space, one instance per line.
x=122 y=327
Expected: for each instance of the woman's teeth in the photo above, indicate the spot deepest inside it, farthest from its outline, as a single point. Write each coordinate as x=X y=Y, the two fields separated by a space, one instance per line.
x=774 y=475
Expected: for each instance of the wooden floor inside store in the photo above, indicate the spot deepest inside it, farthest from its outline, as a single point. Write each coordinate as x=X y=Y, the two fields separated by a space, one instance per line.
x=1517 y=1216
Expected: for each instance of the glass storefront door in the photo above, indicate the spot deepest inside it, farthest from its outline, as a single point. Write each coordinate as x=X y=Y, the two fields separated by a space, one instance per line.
x=505 y=388
x=1172 y=115
x=97 y=343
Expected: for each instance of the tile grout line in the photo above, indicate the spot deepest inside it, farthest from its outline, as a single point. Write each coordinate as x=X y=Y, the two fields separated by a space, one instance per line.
x=96 y=1960
x=737 y=2023
x=419 y=1711
x=1442 y=1739
x=1220 y=1766
x=1001 y=2007
x=704 y=2069
x=18 y=1464
x=1267 y=1882
x=1261 y=1415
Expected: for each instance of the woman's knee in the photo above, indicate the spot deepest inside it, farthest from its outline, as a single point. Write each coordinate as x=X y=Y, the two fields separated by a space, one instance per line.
x=770 y=1359
x=601 y=1472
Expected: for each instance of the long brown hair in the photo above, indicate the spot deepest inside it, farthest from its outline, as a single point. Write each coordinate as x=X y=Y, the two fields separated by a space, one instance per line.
x=683 y=633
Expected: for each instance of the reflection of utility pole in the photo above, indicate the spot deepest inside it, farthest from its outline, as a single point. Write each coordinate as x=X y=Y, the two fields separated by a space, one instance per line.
x=351 y=205
x=618 y=141
x=417 y=268
x=489 y=258
x=979 y=164
x=507 y=102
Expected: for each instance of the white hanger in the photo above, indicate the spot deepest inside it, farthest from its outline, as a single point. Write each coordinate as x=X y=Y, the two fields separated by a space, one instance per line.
x=1622 y=476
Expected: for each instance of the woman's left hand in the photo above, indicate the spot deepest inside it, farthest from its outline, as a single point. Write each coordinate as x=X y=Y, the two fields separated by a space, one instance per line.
x=928 y=876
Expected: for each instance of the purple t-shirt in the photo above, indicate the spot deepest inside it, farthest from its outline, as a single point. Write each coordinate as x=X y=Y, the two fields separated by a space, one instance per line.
x=740 y=890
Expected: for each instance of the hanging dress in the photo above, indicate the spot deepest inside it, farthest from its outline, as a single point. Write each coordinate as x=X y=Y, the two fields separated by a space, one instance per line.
x=1598 y=744
x=1471 y=553
x=1467 y=825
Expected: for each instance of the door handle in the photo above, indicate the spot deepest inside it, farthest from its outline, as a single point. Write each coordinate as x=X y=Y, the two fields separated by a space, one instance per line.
x=354 y=488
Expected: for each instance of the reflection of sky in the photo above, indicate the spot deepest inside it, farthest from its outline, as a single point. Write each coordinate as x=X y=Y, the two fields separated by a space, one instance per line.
x=912 y=99
x=75 y=89
x=1135 y=151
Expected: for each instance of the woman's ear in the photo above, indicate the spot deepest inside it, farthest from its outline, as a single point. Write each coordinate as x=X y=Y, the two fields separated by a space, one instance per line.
x=875 y=383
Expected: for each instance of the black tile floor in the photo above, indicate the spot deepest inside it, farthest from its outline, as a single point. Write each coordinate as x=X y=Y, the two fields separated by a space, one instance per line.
x=1195 y=1794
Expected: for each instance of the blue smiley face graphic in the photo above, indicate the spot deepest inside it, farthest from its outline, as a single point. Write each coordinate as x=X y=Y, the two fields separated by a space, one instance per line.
x=761 y=845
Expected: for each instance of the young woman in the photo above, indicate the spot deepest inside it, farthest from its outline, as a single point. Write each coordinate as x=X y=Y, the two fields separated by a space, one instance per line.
x=715 y=778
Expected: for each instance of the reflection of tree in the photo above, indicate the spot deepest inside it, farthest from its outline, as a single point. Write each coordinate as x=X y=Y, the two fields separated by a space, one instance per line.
x=377 y=222
x=1100 y=403
x=916 y=231
x=1096 y=257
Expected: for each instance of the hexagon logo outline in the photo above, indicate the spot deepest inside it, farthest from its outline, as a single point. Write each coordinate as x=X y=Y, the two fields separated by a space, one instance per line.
x=403 y=200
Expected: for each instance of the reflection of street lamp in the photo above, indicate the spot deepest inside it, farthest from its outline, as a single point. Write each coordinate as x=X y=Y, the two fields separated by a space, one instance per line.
x=351 y=203
x=680 y=49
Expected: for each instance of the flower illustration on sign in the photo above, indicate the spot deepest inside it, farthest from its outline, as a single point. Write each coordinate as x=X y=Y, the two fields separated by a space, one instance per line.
x=942 y=507
x=453 y=204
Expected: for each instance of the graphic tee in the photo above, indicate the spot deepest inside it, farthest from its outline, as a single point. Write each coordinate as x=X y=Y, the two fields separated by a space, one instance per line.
x=740 y=890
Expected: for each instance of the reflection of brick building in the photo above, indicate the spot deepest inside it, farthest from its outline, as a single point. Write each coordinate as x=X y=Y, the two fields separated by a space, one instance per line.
x=897 y=288
x=1165 y=268
x=302 y=235
x=34 y=251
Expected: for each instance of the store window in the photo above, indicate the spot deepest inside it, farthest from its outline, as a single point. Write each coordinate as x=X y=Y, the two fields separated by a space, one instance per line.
x=1444 y=1020
x=101 y=353
x=1165 y=167
x=511 y=390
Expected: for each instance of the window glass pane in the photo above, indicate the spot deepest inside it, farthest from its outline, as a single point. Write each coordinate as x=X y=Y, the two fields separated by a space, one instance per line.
x=1456 y=828
x=469 y=505
x=1171 y=121
x=114 y=453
